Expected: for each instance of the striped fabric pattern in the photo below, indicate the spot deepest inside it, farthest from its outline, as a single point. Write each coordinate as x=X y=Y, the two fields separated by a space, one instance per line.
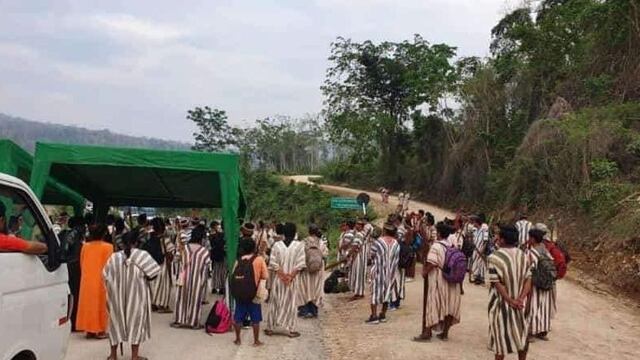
x=508 y=327
x=311 y=286
x=128 y=296
x=162 y=286
x=478 y=260
x=542 y=303
x=523 y=227
x=283 y=301
x=218 y=274
x=192 y=291
x=358 y=268
x=443 y=298
x=385 y=258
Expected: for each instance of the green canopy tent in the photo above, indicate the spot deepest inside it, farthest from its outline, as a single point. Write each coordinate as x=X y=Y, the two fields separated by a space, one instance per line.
x=111 y=176
x=17 y=162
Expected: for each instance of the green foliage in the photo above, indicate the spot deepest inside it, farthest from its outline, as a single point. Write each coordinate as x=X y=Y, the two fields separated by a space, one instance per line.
x=214 y=133
x=603 y=169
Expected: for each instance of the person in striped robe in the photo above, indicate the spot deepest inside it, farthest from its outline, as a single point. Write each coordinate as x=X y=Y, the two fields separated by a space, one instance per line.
x=399 y=279
x=541 y=306
x=478 y=259
x=385 y=254
x=192 y=279
x=128 y=296
x=346 y=238
x=287 y=260
x=510 y=278
x=163 y=285
x=311 y=285
x=358 y=267
x=218 y=259
x=523 y=225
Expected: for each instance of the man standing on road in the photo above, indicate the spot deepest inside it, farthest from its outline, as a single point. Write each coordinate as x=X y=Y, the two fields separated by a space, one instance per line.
x=385 y=253
x=510 y=277
x=357 y=274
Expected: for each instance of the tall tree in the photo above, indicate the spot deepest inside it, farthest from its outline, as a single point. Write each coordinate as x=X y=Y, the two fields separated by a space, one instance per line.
x=214 y=132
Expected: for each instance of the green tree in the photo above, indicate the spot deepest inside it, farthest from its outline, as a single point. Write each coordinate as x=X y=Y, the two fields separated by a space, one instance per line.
x=214 y=132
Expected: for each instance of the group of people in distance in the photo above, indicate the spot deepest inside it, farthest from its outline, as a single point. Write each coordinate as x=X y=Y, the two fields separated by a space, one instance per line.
x=520 y=262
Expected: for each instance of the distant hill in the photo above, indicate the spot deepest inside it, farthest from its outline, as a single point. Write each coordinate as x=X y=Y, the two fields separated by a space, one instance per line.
x=26 y=133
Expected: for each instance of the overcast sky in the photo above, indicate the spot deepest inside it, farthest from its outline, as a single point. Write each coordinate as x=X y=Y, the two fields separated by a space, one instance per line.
x=136 y=67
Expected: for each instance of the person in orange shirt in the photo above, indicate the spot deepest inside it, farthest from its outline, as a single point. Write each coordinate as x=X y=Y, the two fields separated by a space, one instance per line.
x=92 y=305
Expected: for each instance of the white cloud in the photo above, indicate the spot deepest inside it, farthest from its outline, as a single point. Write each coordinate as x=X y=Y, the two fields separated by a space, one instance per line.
x=126 y=27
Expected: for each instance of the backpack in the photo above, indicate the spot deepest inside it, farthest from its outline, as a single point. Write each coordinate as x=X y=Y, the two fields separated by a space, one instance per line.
x=243 y=283
x=332 y=282
x=417 y=242
x=468 y=247
x=558 y=259
x=455 y=265
x=314 y=259
x=406 y=256
x=219 y=319
x=563 y=247
x=543 y=275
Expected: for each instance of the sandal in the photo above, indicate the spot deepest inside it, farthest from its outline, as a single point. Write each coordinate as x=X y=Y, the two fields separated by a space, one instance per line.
x=294 y=334
x=442 y=337
x=422 y=338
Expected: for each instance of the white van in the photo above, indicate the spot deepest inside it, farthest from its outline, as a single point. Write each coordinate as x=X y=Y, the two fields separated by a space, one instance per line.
x=34 y=294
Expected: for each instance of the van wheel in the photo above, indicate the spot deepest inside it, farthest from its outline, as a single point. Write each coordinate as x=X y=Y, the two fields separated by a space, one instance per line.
x=25 y=355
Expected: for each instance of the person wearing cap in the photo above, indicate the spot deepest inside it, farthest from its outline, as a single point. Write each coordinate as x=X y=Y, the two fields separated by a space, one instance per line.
x=385 y=255
x=523 y=225
x=16 y=244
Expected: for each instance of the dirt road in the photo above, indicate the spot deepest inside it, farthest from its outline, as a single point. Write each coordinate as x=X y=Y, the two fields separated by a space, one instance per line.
x=588 y=325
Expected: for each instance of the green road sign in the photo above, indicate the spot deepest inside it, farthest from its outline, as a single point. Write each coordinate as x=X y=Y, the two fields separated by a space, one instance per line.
x=345 y=203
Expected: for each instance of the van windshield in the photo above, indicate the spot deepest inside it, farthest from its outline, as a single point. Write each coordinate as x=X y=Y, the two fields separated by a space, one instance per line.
x=19 y=219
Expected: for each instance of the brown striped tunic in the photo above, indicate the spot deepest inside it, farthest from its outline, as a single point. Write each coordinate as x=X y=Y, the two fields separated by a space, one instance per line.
x=192 y=285
x=541 y=307
x=311 y=286
x=283 y=300
x=129 y=296
x=443 y=298
x=508 y=328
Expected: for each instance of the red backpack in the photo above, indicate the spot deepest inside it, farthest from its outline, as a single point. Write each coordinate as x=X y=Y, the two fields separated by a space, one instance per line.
x=558 y=258
x=219 y=319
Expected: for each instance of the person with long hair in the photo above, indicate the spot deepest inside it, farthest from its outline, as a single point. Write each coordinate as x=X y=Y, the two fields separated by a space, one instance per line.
x=128 y=295
x=192 y=278
x=287 y=261
x=92 y=303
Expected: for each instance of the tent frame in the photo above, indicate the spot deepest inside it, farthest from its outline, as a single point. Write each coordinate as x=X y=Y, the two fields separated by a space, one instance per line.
x=225 y=165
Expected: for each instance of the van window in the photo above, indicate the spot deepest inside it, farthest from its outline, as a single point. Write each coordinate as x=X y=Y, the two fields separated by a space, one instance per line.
x=23 y=220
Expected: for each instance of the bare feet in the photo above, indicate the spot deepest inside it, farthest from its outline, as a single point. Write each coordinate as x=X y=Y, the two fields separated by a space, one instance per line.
x=268 y=332
x=258 y=343
x=237 y=342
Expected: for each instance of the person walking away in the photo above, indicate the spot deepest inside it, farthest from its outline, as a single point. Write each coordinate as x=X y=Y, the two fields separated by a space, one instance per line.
x=162 y=285
x=541 y=305
x=253 y=269
x=399 y=281
x=523 y=225
x=385 y=254
x=218 y=259
x=443 y=298
x=71 y=240
x=510 y=278
x=126 y=277
x=92 y=303
x=311 y=280
x=287 y=261
x=192 y=277
x=478 y=259
x=358 y=262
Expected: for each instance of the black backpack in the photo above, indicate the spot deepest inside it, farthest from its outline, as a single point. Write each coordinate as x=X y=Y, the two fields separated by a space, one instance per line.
x=243 y=283
x=406 y=256
x=544 y=274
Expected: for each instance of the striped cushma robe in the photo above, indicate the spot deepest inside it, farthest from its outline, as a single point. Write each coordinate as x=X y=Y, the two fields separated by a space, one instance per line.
x=399 y=276
x=443 y=298
x=162 y=286
x=523 y=227
x=508 y=328
x=385 y=255
x=345 y=239
x=478 y=260
x=311 y=286
x=128 y=296
x=541 y=306
x=192 y=285
x=283 y=301
x=357 y=272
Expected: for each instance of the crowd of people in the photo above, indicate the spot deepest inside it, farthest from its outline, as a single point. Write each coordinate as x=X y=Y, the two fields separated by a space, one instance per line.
x=520 y=262
x=121 y=271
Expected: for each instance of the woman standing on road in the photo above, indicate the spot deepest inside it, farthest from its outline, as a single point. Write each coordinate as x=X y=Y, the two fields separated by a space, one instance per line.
x=129 y=297
x=92 y=305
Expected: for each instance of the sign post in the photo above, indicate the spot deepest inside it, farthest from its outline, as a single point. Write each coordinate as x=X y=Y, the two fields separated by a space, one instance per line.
x=344 y=203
